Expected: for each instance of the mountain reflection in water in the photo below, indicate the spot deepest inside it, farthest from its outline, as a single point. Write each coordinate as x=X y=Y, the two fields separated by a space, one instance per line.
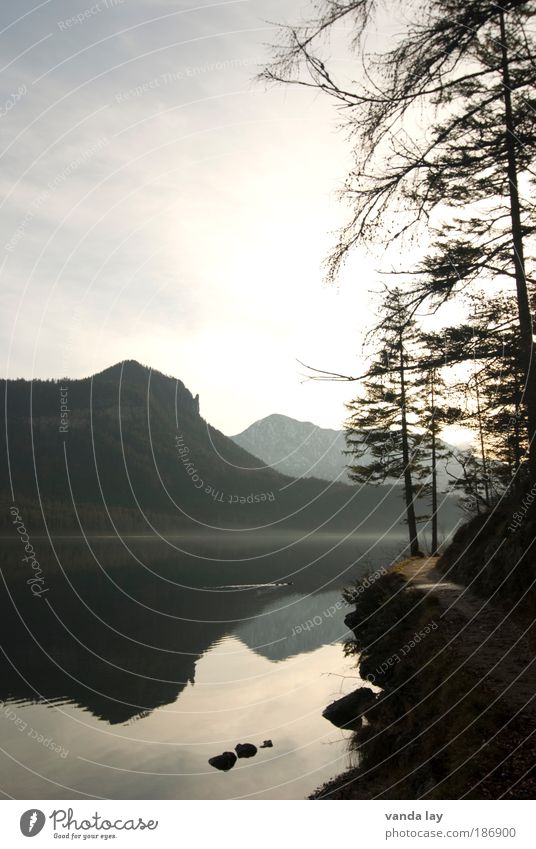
x=121 y=635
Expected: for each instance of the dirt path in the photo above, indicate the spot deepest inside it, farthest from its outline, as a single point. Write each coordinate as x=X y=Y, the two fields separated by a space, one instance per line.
x=484 y=637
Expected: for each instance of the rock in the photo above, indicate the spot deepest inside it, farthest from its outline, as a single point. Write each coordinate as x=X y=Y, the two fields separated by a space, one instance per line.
x=224 y=762
x=348 y=711
x=245 y=750
x=267 y=745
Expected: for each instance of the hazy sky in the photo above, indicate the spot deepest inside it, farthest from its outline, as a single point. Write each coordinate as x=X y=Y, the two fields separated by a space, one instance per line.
x=160 y=205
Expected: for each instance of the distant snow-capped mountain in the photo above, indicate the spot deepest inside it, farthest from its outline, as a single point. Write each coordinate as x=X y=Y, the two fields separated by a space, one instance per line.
x=302 y=449
x=299 y=449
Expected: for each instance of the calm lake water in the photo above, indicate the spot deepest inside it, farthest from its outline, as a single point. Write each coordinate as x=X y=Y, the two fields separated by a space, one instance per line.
x=145 y=658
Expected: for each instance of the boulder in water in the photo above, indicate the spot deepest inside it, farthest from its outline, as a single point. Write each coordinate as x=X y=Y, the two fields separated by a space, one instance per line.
x=223 y=762
x=245 y=750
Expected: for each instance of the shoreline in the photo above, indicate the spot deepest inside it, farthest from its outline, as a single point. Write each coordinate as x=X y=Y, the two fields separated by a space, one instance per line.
x=456 y=710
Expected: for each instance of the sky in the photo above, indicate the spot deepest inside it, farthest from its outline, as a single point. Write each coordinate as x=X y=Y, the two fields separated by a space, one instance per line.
x=160 y=204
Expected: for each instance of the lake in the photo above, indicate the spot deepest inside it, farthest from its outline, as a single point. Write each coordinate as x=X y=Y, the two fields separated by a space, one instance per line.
x=143 y=658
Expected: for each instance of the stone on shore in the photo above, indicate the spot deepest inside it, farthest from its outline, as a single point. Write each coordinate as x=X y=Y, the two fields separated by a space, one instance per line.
x=348 y=711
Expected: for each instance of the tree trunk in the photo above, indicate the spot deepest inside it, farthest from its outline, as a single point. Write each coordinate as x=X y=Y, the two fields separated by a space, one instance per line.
x=517 y=451
x=485 y=472
x=408 y=483
x=434 y=471
x=525 y=317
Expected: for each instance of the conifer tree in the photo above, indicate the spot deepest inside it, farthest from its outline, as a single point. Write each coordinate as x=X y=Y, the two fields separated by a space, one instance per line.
x=380 y=430
x=443 y=126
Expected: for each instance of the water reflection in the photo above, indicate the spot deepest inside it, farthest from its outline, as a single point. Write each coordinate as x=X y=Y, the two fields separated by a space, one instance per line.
x=178 y=667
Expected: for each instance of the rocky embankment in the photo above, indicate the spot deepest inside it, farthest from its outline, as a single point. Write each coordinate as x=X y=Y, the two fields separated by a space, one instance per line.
x=449 y=710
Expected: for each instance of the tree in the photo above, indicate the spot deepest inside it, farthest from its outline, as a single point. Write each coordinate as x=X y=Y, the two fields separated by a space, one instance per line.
x=471 y=482
x=483 y=351
x=500 y=390
x=434 y=413
x=469 y=68
x=379 y=429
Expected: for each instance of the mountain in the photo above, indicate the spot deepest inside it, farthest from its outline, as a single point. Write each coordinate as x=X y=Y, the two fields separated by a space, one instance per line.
x=128 y=448
x=303 y=449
